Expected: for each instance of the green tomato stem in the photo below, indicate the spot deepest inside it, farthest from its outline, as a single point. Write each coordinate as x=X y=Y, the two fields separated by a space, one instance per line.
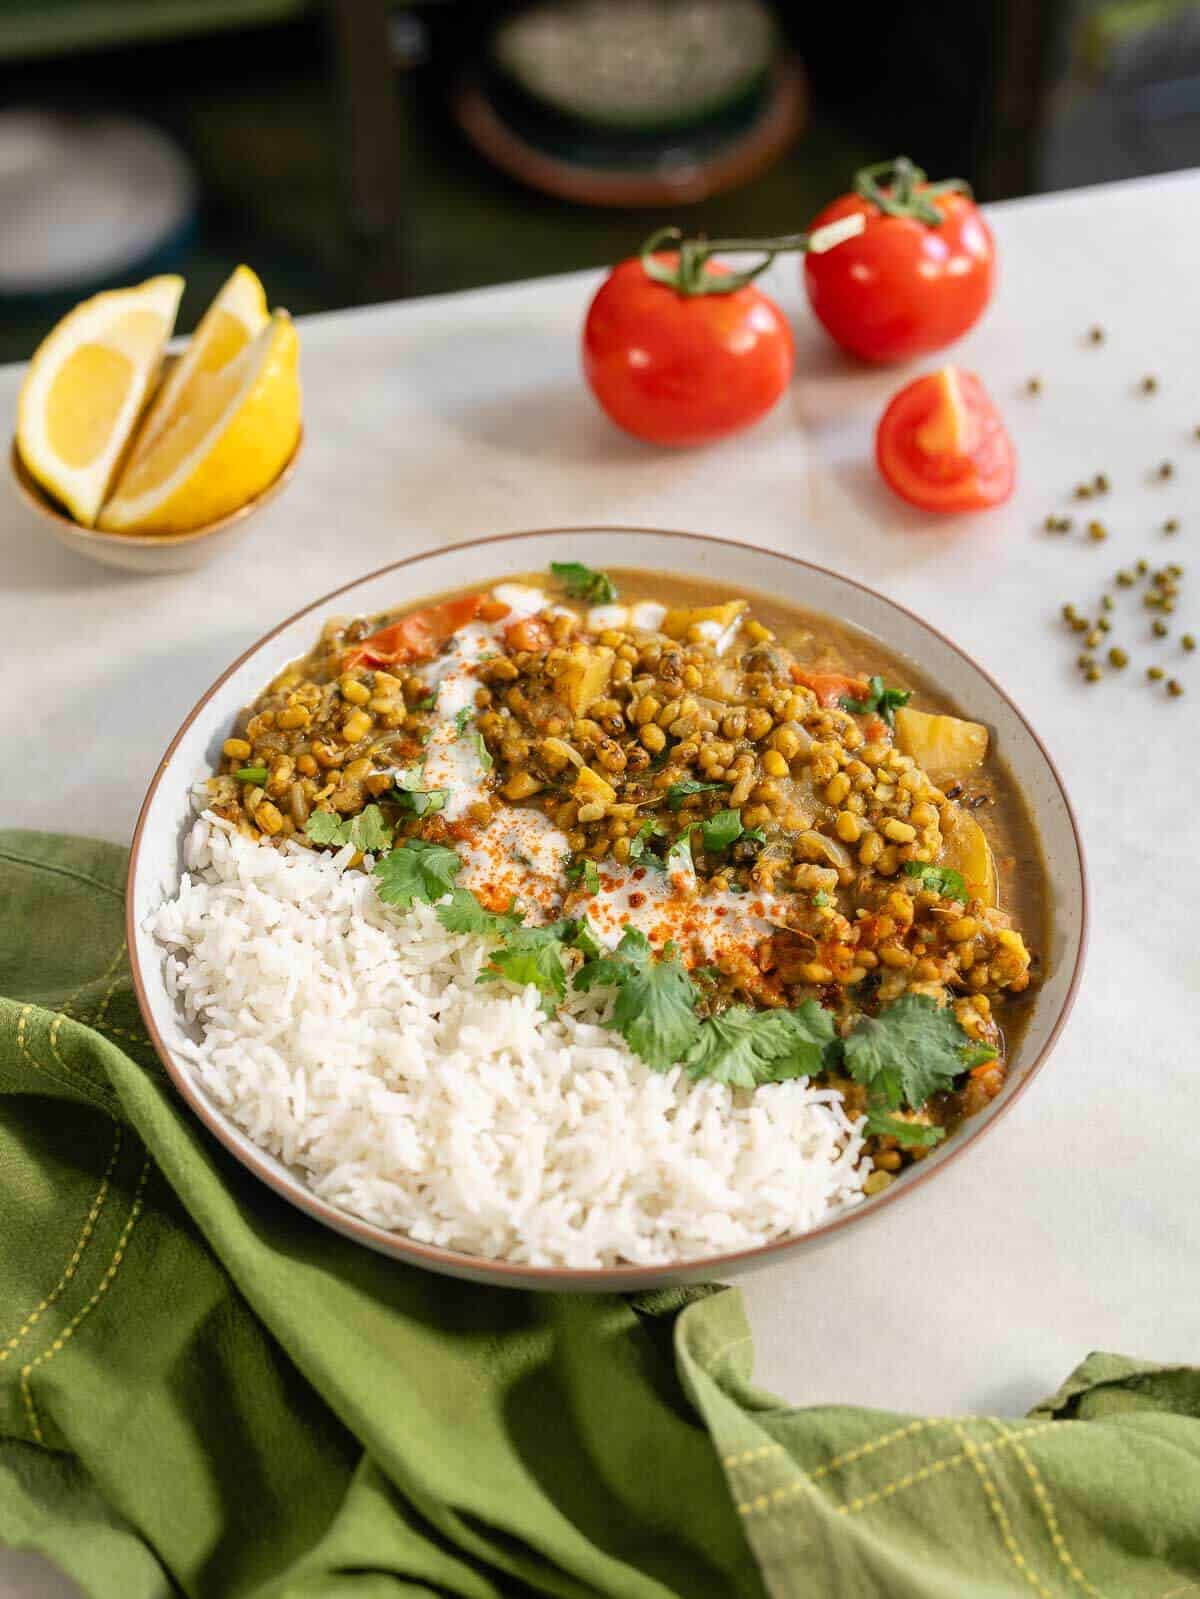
x=899 y=189
x=689 y=276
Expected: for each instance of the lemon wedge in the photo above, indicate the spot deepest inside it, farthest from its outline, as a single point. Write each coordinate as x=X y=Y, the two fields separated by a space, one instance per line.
x=228 y=436
x=86 y=386
x=238 y=314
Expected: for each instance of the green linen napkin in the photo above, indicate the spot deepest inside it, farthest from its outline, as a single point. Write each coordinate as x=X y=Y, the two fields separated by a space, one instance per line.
x=204 y=1392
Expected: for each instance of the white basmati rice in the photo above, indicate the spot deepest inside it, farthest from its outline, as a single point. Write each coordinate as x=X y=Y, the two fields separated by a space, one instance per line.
x=352 y=1041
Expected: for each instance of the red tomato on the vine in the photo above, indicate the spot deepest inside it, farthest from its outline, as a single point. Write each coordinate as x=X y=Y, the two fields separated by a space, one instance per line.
x=683 y=367
x=941 y=445
x=917 y=277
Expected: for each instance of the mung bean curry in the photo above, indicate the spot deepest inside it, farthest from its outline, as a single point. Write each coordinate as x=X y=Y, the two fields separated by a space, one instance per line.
x=784 y=841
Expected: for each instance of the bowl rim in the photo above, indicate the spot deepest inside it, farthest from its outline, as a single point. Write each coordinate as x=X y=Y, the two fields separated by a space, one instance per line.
x=41 y=502
x=399 y=1245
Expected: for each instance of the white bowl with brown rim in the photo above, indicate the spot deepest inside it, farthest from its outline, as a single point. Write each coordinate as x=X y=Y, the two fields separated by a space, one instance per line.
x=155 y=863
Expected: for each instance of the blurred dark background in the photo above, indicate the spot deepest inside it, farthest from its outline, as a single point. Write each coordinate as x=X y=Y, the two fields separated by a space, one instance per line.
x=353 y=151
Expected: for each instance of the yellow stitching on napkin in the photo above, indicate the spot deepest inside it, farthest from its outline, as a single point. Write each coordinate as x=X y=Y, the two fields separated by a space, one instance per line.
x=123 y=1032
x=70 y=1082
x=105 y=1284
x=1042 y=1495
x=111 y=989
x=996 y=1505
x=77 y=1084
x=860 y=1450
x=946 y=1463
x=764 y=1502
x=748 y=1455
x=711 y=1359
x=66 y=1006
x=73 y=1264
x=857 y=1453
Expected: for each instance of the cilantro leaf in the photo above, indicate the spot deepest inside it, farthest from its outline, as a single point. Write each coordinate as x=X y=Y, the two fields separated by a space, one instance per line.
x=585 y=872
x=462 y=720
x=880 y=699
x=421 y=801
x=722 y=830
x=417 y=801
x=654 y=1009
x=744 y=1047
x=821 y=899
x=464 y=914
x=583 y=941
x=416 y=871
x=367 y=831
x=640 y=852
x=754 y=835
x=912 y=1135
x=678 y=792
x=911 y=1050
x=532 y=955
x=679 y=856
x=943 y=880
x=582 y=583
x=978 y=1055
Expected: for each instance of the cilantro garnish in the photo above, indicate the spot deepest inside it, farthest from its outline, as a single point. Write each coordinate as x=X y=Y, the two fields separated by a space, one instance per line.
x=640 y=852
x=427 y=704
x=911 y=1050
x=722 y=830
x=679 y=856
x=415 y=871
x=534 y=955
x=978 y=1055
x=421 y=801
x=531 y=955
x=527 y=954
x=678 y=792
x=585 y=872
x=821 y=899
x=880 y=699
x=367 y=831
x=417 y=801
x=654 y=1009
x=580 y=938
x=251 y=774
x=754 y=835
x=744 y=1047
x=462 y=720
x=464 y=914
x=912 y=1135
x=582 y=583
x=943 y=880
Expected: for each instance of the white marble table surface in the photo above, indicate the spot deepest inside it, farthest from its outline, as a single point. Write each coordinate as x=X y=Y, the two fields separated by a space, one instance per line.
x=1070 y=1227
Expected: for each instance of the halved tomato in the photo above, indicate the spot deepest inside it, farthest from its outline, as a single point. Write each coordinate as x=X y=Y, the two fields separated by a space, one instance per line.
x=941 y=444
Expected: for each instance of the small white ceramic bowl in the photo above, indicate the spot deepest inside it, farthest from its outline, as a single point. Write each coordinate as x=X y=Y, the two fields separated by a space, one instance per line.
x=144 y=552
x=155 y=863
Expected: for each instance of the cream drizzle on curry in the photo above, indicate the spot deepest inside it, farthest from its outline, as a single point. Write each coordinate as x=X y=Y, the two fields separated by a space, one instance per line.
x=767 y=797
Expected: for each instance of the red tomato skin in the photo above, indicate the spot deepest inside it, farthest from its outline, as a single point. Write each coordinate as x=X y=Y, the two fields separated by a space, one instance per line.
x=902 y=288
x=683 y=369
x=416 y=637
x=948 y=484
